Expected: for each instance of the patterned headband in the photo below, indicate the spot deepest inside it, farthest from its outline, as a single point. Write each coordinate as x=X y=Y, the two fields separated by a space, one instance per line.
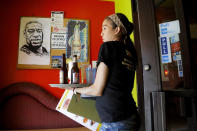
x=117 y=21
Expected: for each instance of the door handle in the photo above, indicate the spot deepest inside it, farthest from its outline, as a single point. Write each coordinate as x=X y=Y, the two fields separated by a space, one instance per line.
x=147 y=67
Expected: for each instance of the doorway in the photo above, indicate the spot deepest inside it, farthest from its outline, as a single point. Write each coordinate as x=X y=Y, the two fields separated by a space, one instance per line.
x=166 y=75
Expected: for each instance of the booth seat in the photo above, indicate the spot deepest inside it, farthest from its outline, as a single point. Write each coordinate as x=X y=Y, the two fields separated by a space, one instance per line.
x=27 y=106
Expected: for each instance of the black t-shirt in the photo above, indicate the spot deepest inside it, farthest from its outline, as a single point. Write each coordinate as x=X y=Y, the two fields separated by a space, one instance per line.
x=117 y=102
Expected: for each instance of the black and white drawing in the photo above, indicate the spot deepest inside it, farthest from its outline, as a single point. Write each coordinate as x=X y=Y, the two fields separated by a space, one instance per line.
x=34 y=41
x=34 y=38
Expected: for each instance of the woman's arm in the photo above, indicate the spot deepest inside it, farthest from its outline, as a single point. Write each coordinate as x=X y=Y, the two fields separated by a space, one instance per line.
x=96 y=89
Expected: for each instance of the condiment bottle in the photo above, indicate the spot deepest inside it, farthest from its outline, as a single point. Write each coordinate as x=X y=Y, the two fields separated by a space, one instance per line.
x=75 y=71
x=63 y=74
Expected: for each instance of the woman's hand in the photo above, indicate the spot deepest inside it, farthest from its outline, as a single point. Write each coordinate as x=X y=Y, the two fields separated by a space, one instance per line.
x=96 y=89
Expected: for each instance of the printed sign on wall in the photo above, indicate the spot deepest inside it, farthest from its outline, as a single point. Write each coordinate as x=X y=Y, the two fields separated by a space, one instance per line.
x=58 y=40
x=168 y=28
x=165 y=49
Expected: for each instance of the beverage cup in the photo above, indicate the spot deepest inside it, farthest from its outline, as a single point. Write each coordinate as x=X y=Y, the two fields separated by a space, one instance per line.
x=83 y=67
x=70 y=65
x=93 y=74
x=89 y=75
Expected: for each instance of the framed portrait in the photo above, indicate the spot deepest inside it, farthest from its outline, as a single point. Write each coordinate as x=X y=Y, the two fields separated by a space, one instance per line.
x=34 y=43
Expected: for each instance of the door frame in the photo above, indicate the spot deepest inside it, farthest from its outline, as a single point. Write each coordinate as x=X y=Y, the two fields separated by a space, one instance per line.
x=149 y=80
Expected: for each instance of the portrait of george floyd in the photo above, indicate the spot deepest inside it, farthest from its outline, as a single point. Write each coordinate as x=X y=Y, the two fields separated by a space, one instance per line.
x=34 y=41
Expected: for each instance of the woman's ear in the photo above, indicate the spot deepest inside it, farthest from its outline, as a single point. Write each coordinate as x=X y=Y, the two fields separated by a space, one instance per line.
x=117 y=30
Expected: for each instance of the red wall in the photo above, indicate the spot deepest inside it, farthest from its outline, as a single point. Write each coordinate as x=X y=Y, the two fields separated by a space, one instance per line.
x=11 y=11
